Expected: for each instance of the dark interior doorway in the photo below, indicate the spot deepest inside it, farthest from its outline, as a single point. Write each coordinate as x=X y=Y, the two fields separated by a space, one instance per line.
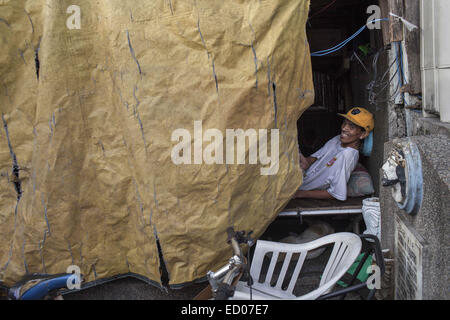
x=335 y=75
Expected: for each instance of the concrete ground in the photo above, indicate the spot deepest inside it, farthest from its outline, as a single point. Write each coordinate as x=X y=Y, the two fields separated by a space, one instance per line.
x=134 y=289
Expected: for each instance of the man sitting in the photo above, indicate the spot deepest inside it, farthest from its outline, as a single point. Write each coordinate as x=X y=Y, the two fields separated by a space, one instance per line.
x=328 y=169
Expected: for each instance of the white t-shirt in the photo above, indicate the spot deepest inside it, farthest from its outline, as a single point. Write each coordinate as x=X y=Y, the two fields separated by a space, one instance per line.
x=332 y=169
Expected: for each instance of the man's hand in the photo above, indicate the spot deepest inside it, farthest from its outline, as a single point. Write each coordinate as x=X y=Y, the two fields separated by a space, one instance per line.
x=305 y=163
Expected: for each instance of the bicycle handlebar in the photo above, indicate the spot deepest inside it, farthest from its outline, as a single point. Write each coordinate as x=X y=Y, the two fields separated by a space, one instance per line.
x=233 y=240
x=40 y=286
x=222 y=288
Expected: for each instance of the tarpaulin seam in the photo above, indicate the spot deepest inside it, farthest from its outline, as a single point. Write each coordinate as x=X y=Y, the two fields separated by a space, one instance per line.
x=51 y=130
x=102 y=146
x=143 y=225
x=41 y=247
x=24 y=259
x=140 y=202
x=45 y=214
x=215 y=76
x=128 y=264
x=201 y=35
x=136 y=112
x=21 y=55
x=5 y=22
x=31 y=21
x=133 y=55
x=170 y=6
x=6 y=93
x=9 y=257
x=269 y=81
x=275 y=105
x=125 y=103
x=154 y=194
x=95 y=272
x=304 y=63
x=207 y=52
x=17 y=185
x=255 y=59
x=137 y=101
x=15 y=168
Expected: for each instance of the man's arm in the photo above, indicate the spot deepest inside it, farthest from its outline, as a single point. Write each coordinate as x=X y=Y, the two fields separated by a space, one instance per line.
x=305 y=163
x=313 y=194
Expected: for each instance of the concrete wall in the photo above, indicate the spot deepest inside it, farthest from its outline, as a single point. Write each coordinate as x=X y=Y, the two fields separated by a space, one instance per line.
x=431 y=224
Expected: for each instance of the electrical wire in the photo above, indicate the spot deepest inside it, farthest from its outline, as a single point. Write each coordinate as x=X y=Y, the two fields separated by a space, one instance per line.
x=360 y=62
x=389 y=82
x=373 y=95
x=386 y=72
x=343 y=43
x=338 y=46
x=374 y=84
x=398 y=58
x=401 y=77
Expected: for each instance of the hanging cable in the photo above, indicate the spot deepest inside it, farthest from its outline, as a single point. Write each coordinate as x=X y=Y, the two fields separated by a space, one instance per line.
x=374 y=84
x=343 y=43
x=360 y=62
x=399 y=59
x=337 y=47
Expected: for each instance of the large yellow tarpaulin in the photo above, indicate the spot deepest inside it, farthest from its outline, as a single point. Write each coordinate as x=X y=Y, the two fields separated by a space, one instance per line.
x=90 y=95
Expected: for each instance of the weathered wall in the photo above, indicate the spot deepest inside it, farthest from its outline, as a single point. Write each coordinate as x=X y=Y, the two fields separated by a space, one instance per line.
x=431 y=224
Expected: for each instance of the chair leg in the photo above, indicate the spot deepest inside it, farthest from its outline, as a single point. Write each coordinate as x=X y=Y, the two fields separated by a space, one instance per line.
x=356 y=221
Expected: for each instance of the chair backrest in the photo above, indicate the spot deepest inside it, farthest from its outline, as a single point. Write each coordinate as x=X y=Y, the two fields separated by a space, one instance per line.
x=346 y=249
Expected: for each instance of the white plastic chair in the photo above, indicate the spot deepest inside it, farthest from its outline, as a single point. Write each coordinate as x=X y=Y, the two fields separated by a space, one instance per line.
x=347 y=247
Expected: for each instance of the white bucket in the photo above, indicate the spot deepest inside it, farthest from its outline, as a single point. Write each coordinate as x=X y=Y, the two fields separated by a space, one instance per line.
x=372 y=216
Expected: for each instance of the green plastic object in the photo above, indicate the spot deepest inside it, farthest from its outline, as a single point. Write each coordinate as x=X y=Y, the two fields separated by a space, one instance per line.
x=364 y=49
x=363 y=275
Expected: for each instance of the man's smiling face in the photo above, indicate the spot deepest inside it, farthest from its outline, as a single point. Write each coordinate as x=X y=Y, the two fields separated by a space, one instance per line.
x=351 y=134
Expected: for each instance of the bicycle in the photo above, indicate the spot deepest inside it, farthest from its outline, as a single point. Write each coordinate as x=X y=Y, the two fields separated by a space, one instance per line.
x=42 y=286
x=222 y=282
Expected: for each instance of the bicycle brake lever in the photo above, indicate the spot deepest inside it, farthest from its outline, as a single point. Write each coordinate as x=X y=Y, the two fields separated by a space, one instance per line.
x=242 y=238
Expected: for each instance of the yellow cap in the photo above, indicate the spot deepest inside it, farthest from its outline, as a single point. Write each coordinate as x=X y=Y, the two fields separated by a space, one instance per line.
x=360 y=117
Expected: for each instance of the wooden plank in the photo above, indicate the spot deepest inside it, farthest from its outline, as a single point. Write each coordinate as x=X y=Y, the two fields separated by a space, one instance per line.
x=392 y=29
x=323 y=204
x=396 y=26
x=412 y=46
x=384 y=6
